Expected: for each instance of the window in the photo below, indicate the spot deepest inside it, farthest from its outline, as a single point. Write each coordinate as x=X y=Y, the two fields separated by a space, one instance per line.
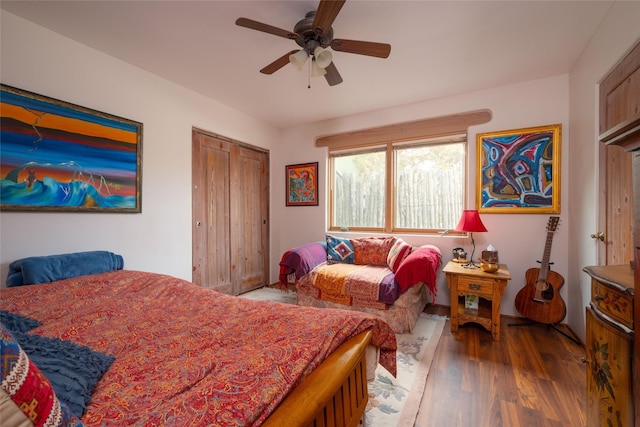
x=416 y=186
x=359 y=189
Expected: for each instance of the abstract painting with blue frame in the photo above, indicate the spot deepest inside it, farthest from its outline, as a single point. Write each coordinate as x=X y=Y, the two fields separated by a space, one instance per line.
x=58 y=156
x=519 y=170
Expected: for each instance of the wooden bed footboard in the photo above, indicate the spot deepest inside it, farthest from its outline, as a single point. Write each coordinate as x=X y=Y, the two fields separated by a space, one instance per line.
x=334 y=394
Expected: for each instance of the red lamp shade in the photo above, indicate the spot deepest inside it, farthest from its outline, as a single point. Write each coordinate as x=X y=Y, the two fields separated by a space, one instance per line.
x=470 y=221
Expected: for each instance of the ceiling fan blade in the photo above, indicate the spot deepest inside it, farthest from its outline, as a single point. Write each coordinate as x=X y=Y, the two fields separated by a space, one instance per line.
x=380 y=50
x=278 y=63
x=326 y=14
x=266 y=28
x=333 y=76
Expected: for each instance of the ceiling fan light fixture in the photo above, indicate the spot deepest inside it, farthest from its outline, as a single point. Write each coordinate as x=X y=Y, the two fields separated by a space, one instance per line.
x=316 y=70
x=298 y=59
x=323 y=57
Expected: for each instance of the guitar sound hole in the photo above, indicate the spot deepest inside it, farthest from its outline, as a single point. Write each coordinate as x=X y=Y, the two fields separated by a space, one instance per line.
x=547 y=294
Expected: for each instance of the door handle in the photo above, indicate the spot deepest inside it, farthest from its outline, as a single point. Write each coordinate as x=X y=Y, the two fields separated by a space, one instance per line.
x=599 y=235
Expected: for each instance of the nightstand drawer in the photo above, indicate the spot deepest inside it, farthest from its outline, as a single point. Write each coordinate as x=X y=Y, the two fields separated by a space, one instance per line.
x=475 y=285
x=613 y=303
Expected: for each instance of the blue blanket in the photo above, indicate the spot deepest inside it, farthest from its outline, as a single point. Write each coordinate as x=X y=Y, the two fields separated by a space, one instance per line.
x=44 y=269
x=73 y=369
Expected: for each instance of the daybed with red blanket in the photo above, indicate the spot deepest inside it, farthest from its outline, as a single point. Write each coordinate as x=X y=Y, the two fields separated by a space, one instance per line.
x=178 y=354
x=382 y=276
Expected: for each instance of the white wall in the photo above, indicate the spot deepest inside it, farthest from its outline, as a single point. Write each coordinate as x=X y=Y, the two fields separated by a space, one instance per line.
x=617 y=34
x=158 y=239
x=519 y=238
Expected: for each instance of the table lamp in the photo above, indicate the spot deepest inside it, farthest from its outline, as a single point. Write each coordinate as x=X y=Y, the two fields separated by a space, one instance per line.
x=471 y=222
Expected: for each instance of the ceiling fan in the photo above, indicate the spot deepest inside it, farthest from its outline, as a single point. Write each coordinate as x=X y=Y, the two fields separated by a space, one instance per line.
x=314 y=34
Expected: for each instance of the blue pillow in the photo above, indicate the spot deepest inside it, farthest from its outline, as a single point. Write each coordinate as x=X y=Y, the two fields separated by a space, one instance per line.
x=16 y=322
x=45 y=269
x=339 y=250
x=73 y=370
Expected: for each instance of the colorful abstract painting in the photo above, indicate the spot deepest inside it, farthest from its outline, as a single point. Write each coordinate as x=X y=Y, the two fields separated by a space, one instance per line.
x=302 y=184
x=57 y=156
x=519 y=170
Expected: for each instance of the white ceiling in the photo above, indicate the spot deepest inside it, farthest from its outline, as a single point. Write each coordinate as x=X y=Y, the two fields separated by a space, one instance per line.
x=438 y=48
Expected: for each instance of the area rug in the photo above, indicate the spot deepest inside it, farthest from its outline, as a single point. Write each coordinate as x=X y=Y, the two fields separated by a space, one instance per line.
x=394 y=402
x=271 y=294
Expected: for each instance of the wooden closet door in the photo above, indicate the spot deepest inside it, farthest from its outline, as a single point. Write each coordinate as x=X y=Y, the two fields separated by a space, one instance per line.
x=618 y=111
x=619 y=207
x=249 y=225
x=230 y=215
x=211 y=214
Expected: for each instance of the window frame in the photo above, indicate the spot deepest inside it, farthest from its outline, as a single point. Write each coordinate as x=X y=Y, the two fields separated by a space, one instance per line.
x=432 y=127
x=390 y=148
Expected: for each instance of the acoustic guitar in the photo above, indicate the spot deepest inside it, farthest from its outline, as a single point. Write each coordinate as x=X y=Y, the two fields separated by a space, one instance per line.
x=540 y=298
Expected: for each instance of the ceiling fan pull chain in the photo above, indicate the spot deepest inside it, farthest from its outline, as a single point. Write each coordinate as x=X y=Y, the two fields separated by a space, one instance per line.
x=309 y=76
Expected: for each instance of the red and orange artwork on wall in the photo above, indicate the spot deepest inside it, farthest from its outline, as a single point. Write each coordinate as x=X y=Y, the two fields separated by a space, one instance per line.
x=302 y=184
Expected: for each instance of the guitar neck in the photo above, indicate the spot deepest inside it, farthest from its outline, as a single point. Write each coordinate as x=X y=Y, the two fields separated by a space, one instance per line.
x=544 y=267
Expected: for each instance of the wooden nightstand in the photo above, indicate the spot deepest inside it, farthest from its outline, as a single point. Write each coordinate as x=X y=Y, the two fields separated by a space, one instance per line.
x=488 y=287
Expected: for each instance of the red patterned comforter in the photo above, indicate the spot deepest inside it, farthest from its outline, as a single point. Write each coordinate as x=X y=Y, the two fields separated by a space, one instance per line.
x=186 y=355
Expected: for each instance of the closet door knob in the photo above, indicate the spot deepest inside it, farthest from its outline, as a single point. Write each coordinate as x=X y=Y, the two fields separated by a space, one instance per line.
x=599 y=235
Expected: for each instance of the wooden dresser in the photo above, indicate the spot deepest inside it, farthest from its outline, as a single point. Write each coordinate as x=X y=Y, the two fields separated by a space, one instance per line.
x=609 y=346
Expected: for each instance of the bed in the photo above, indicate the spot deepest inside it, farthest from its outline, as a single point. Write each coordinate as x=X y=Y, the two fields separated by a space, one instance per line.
x=185 y=355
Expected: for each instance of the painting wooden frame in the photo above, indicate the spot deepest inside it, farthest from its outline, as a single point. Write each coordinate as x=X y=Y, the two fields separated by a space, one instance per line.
x=302 y=184
x=518 y=170
x=58 y=156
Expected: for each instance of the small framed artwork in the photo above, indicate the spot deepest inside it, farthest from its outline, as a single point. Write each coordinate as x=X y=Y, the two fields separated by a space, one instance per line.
x=58 y=156
x=519 y=170
x=302 y=184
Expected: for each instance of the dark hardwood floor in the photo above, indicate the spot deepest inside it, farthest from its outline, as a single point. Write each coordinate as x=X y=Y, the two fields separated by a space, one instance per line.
x=533 y=376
